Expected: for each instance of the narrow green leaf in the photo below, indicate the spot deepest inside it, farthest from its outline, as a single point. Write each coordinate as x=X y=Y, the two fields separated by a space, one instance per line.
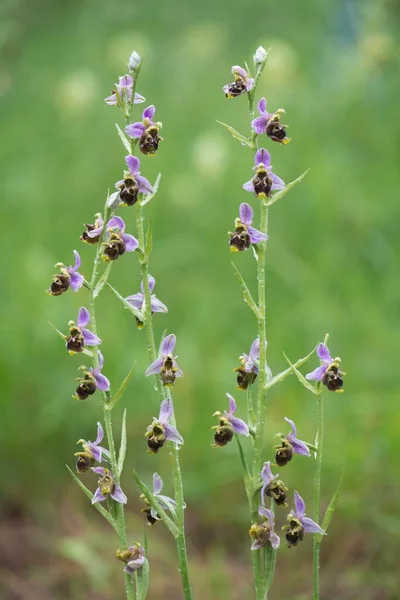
x=278 y=195
x=246 y=471
x=121 y=390
x=122 y=448
x=155 y=504
x=246 y=292
x=142 y=585
x=84 y=351
x=301 y=378
x=332 y=504
x=149 y=241
x=89 y=494
x=238 y=136
x=281 y=376
x=145 y=540
x=128 y=306
x=149 y=197
x=103 y=280
x=124 y=139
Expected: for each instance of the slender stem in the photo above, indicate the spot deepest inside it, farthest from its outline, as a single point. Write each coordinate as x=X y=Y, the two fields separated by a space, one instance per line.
x=164 y=394
x=317 y=494
x=118 y=507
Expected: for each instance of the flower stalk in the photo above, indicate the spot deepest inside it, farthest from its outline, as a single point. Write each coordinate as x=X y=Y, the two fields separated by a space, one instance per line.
x=317 y=539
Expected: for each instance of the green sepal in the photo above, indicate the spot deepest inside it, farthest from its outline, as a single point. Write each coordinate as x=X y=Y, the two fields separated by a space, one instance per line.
x=122 y=447
x=138 y=314
x=155 y=504
x=149 y=197
x=331 y=507
x=278 y=195
x=142 y=580
x=103 y=280
x=247 y=297
x=281 y=376
x=238 y=136
x=124 y=139
x=98 y=506
x=302 y=379
x=117 y=397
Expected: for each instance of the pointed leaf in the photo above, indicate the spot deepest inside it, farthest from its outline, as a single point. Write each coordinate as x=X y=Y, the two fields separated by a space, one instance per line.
x=278 y=195
x=122 y=448
x=149 y=197
x=246 y=292
x=142 y=580
x=124 y=139
x=281 y=376
x=145 y=541
x=103 y=280
x=127 y=305
x=155 y=504
x=332 y=504
x=121 y=389
x=238 y=136
x=98 y=506
x=302 y=379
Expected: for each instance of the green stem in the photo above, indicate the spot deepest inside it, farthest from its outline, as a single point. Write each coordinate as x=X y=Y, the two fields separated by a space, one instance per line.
x=317 y=494
x=118 y=507
x=164 y=394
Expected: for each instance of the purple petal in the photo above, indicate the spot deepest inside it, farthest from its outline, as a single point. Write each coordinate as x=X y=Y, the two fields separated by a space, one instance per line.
x=103 y=384
x=254 y=353
x=249 y=84
x=152 y=283
x=268 y=514
x=300 y=447
x=277 y=182
x=96 y=451
x=179 y=372
x=101 y=361
x=311 y=526
x=172 y=434
x=240 y=71
x=83 y=317
x=118 y=495
x=262 y=106
x=99 y=470
x=139 y=98
x=98 y=496
x=131 y=243
x=266 y=473
x=136 y=300
x=91 y=339
x=148 y=112
x=256 y=237
x=246 y=213
x=317 y=374
x=292 y=425
x=76 y=281
x=116 y=223
x=134 y=565
x=133 y=163
x=262 y=156
x=257 y=545
x=300 y=505
x=144 y=185
x=232 y=404
x=111 y=100
x=135 y=130
x=259 y=125
x=274 y=539
x=168 y=345
x=239 y=426
x=155 y=367
x=248 y=186
x=323 y=353
x=157 y=305
x=166 y=411
x=165 y=501
x=96 y=231
x=125 y=81
x=77 y=261
x=157 y=484
x=100 y=434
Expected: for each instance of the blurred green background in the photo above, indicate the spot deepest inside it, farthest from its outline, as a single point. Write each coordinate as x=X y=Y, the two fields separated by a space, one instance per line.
x=332 y=266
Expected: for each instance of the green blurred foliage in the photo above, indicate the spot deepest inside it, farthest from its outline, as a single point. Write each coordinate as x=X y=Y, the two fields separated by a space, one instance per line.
x=332 y=266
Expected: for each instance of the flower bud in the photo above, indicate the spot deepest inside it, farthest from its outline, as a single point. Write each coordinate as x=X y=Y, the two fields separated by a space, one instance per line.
x=260 y=55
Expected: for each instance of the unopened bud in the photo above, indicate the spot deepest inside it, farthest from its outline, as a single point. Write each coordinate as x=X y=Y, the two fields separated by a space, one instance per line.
x=260 y=55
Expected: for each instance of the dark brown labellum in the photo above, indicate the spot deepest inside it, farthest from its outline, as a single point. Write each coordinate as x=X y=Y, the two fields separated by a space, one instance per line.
x=236 y=88
x=149 y=517
x=114 y=250
x=85 y=238
x=277 y=491
x=84 y=462
x=75 y=342
x=154 y=444
x=223 y=435
x=294 y=533
x=275 y=131
x=333 y=378
x=244 y=378
x=262 y=183
x=284 y=454
x=86 y=388
x=149 y=140
x=129 y=192
x=240 y=239
x=168 y=372
x=59 y=285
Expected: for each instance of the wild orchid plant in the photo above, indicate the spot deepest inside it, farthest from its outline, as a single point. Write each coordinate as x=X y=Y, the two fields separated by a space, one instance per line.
x=108 y=234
